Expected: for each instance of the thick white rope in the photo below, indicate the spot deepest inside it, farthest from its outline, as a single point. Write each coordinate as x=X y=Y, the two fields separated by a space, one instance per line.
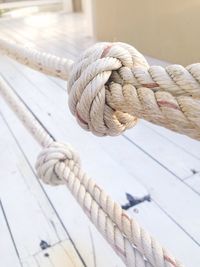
x=40 y=61
x=59 y=164
x=106 y=98
x=111 y=85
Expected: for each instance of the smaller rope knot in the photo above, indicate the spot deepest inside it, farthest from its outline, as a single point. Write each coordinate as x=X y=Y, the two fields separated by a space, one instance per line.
x=93 y=75
x=56 y=162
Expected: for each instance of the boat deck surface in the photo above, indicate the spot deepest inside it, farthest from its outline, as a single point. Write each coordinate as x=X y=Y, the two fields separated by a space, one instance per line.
x=43 y=226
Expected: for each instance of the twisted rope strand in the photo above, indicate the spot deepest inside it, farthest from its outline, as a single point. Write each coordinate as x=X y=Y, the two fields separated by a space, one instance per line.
x=27 y=118
x=180 y=114
x=174 y=79
x=43 y=62
x=59 y=164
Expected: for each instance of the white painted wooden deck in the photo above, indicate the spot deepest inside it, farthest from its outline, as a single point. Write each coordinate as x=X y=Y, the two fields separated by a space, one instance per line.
x=145 y=160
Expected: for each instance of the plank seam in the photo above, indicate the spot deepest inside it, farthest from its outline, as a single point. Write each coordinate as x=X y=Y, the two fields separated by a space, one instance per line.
x=10 y=231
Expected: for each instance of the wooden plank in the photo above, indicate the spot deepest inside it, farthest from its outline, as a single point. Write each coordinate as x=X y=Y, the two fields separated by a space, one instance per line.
x=166 y=153
x=194 y=182
x=58 y=38
x=173 y=196
x=59 y=255
x=36 y=37
x=8 y=252
x=92 y=144
x=187 y=144
x=32 y=206
x=30 y=262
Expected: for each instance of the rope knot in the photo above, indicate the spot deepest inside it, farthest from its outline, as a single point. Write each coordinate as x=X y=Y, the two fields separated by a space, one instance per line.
x=95 y=72
x=56 y=162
